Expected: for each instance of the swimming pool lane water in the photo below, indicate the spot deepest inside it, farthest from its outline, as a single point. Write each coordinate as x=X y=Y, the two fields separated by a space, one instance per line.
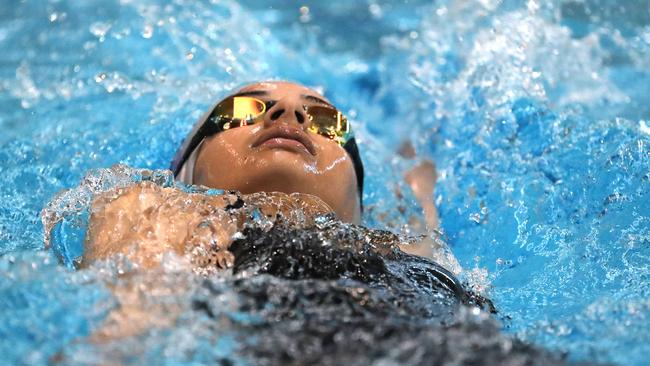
x=536 y=114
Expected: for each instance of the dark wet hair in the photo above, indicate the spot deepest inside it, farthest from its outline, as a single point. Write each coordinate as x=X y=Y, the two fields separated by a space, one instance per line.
x=352 y=150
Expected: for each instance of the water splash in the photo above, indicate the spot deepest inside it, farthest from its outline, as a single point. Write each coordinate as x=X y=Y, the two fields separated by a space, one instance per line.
x=535 y=114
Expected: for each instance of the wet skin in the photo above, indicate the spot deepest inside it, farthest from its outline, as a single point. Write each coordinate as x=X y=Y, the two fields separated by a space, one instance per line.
x=281 y=154
x=144 y=221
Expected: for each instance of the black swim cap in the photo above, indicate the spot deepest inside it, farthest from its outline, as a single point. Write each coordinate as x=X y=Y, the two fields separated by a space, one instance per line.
x=352 y=150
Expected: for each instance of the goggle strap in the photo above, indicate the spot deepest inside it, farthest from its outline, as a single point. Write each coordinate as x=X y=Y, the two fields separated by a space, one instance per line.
x=208 y=128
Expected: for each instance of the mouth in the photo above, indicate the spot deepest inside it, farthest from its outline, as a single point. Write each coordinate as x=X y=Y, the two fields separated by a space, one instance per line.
x=285 y=137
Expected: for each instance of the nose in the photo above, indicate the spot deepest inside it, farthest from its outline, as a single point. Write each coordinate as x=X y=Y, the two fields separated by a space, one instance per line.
x=289 y=110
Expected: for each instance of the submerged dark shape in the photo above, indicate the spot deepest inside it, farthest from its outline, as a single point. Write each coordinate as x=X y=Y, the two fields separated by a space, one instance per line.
x=337 y=294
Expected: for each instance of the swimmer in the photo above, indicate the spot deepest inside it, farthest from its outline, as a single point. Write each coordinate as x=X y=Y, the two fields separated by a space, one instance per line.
x=276 y=146
x=271 y=137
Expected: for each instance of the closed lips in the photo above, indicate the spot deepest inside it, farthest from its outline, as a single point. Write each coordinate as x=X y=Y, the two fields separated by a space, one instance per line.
x=286 y=133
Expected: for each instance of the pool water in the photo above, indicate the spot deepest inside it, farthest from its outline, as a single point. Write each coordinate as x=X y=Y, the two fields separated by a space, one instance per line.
x=536 y=114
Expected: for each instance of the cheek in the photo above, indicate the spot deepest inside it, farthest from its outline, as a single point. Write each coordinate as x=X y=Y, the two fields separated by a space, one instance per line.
x=220 y=157
x=331 y=157
x=335 y=165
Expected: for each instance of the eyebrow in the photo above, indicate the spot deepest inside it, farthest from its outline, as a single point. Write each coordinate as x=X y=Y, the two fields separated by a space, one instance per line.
x=254 y=93
x=316 y=99
x=251 y=93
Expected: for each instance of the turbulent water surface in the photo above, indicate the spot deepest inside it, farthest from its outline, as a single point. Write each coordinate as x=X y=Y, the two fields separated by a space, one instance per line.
x=536 y=113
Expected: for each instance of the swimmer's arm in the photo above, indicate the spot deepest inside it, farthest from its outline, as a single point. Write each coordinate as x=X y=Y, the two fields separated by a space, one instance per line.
x=120 y=219
x=422 y=179
x=145 y=220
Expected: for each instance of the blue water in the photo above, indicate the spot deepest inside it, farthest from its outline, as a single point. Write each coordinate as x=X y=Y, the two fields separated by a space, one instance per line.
x=535 y=112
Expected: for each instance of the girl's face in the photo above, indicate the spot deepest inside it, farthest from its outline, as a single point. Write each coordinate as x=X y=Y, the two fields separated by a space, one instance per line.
x=281 y=154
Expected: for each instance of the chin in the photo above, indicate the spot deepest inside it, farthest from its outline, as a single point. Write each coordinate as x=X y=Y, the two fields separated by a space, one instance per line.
x=284 y=156
x=285 y=162
x=281 y=175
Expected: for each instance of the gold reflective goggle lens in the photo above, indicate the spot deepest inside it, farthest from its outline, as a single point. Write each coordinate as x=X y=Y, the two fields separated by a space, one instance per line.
x=329 y=122
x=243 y=111
x=239 y=111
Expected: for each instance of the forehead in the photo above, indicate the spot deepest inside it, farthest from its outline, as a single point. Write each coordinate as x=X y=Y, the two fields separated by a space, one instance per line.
x=280 y=88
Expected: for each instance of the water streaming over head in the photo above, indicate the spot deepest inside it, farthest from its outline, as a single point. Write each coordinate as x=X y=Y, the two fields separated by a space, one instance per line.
x=536 y=114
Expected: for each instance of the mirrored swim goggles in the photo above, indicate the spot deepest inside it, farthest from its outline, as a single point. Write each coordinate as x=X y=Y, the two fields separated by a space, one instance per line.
x=237 y=111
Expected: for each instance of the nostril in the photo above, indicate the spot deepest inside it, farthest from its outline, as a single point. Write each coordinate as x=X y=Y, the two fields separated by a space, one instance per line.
x=300 y=117
x=277 y=114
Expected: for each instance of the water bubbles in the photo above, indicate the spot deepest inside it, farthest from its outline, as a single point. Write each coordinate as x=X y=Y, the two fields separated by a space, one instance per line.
x=88 y=46
x=27 y=90
x=533 y=6
x=100 y=77
x=644 y=127
x=450 y=71
x=147 y=31
x=99 y=29
x=305 y=15
x=375 y=10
